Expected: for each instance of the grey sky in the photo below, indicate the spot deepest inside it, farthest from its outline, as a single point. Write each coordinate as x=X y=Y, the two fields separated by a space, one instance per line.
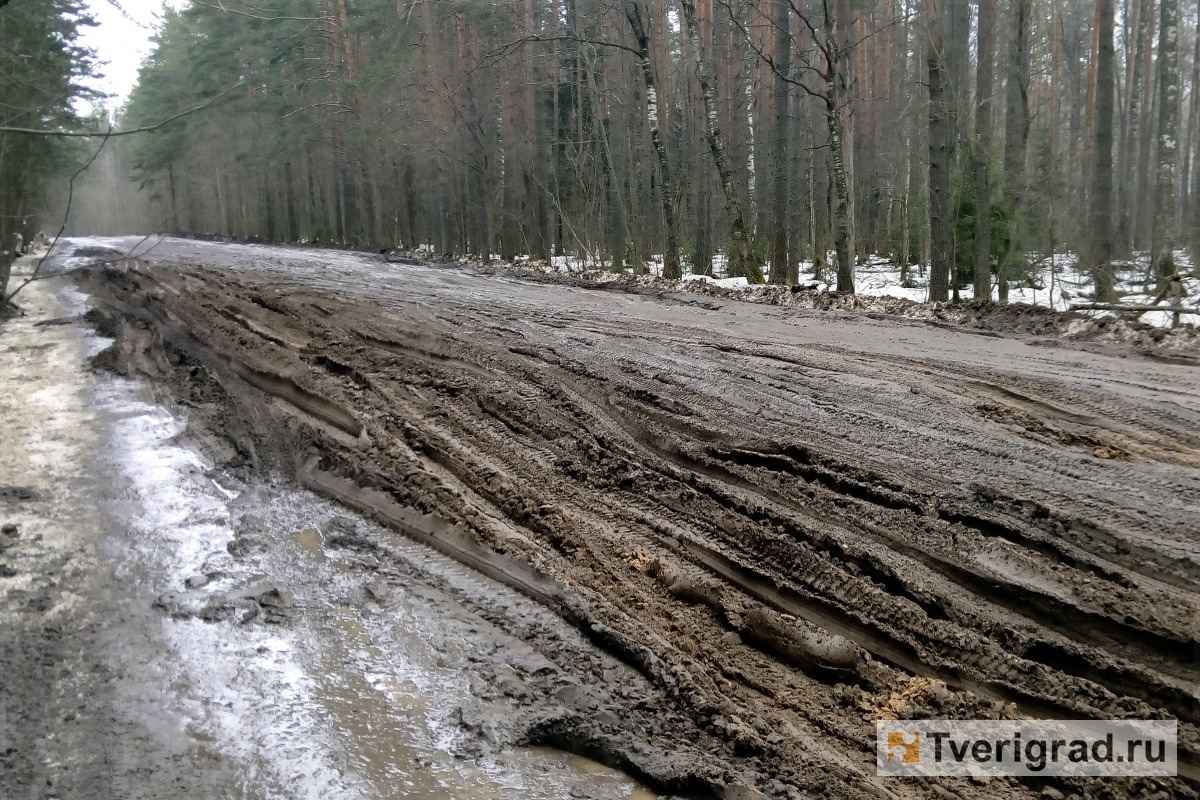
x=122 y=39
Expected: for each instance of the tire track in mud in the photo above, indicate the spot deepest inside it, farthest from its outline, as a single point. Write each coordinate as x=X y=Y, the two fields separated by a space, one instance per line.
x=1071 y=622
x=806 y=480
x=1032 y=524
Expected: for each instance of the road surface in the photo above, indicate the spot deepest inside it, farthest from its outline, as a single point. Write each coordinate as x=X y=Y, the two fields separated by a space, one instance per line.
x=791 y=523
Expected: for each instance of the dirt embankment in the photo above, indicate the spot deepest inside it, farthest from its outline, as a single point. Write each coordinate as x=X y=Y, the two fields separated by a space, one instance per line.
x=793 y=525
x=1103 y=333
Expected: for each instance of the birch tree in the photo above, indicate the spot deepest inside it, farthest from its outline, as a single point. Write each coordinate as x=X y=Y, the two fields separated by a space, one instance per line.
x=638 y=17
x=743 y=259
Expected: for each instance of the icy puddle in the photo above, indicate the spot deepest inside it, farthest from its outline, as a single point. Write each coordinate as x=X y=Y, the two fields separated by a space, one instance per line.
x=287 y=667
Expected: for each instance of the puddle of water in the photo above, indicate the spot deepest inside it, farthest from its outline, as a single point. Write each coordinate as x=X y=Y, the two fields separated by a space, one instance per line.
x=343 y=703
x=382 y=688
x=310 y=540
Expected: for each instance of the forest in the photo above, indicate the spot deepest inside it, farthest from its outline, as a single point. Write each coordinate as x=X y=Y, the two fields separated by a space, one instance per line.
x=42 y=69
x=396 y=409
x=966 y=139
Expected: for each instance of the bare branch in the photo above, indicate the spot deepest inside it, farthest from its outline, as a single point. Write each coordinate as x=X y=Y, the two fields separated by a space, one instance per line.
x=341 y=108
x=66 y=213
x=221 y=7
x=110 y=133
x=508 y=47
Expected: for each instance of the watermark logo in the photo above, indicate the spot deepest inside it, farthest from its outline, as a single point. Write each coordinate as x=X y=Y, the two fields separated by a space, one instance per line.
x=906 y=752
x=1026 y=747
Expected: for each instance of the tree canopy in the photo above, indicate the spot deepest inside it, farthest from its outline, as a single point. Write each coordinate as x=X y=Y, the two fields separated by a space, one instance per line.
x=41 y=70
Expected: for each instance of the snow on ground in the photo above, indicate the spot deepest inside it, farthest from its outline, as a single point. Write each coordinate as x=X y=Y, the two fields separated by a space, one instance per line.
x=724 y=283
x=1056 y=283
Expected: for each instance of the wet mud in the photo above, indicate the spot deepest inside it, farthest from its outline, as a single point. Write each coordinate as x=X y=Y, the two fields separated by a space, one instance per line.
x=789 y=523
x=168 y=629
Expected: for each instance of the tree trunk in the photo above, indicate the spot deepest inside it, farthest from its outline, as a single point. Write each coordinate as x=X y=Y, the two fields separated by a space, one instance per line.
x=818 y=240
x=781 y=268
x=956 y=54
x=1143 y=187
x=1196 y=206
x=623 y=252
x=1191 y=172
x=1100 y=222
x=905 y=254
x=1134 y=36
x=637 y=16
x=537 y=143
x=704 y=233
x=1089 y=127
x=746 y=257
x=843 y=239
x=983 y=147
x=700 y=183
x=748 y=99
x=940 y=229
x=1016 y=138
x=1163 y=243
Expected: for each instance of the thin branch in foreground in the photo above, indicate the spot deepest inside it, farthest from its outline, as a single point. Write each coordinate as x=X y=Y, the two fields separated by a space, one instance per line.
x=221 y=7
x=133 y=251
x=7 y=300
x=110 y=133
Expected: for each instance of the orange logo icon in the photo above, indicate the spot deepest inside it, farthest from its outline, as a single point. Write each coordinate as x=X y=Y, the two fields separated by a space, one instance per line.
x=907 y=752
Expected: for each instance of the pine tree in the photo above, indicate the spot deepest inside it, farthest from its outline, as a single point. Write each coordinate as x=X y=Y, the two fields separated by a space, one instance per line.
x=1162 y=258
x=41 y=68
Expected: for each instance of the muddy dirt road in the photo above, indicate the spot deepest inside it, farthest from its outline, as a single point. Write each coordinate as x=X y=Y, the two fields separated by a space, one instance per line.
x=791 y=523
x=169 y=630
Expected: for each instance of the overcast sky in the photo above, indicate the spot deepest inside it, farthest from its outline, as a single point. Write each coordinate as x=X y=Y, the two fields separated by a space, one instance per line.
x=122 y=40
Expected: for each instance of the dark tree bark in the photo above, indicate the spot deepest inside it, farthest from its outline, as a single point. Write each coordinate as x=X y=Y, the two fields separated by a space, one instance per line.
x=1016 y=139
x=816 y=231
x=956 y=55
x=1100 y=217
x=983 y=147
x=1141 y=194
x=940 y=164
x=1135 y=35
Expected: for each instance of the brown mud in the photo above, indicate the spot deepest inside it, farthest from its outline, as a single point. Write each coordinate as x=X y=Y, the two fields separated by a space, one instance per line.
x=793 y=523
x=168 y=630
